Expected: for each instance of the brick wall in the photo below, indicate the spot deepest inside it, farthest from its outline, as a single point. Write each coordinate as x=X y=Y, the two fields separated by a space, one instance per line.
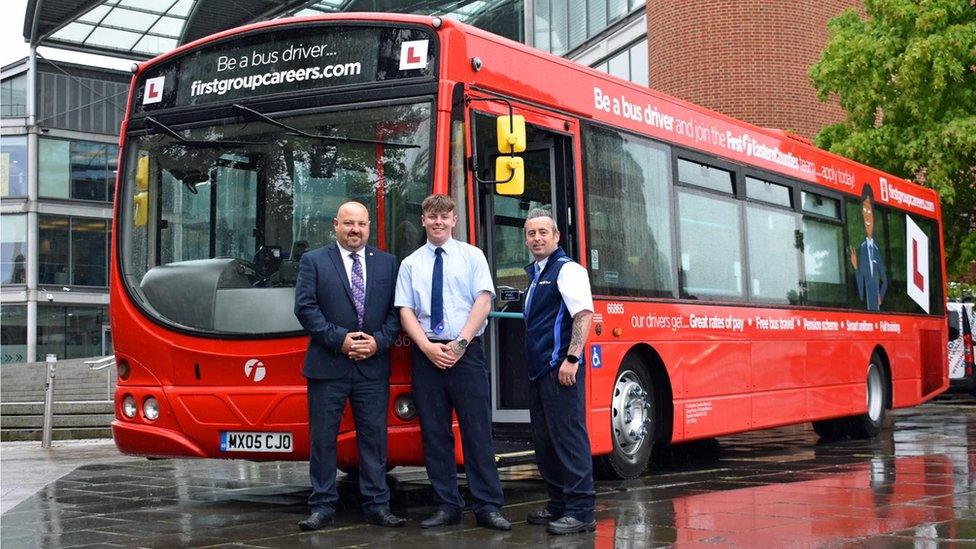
x=748 y=59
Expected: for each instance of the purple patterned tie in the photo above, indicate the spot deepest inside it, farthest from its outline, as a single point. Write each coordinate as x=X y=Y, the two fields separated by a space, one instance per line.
x=358 y=288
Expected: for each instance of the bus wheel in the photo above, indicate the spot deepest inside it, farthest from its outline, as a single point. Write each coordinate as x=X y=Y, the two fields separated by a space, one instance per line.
x=633 y=423
x=868 y=425
x=829 y=429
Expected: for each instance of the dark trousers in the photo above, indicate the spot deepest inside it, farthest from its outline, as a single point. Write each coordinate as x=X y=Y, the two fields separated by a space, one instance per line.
x=562 y=447
x=326 y=401
x=465 y=389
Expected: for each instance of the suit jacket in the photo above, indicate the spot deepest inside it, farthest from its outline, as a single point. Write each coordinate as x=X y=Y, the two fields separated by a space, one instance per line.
x=324 y=306
x=871 y=280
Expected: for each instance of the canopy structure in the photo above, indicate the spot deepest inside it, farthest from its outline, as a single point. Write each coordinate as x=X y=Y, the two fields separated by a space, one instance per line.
x=141 y=29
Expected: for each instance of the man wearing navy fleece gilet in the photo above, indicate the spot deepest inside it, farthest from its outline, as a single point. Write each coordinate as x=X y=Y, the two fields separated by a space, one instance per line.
x=558 y=313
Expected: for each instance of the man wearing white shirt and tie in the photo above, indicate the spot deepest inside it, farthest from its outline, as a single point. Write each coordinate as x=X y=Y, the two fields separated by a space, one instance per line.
x=869 y=267
x=444 y=291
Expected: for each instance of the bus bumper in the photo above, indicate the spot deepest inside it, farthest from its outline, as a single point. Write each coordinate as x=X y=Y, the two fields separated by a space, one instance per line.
x=144 y=440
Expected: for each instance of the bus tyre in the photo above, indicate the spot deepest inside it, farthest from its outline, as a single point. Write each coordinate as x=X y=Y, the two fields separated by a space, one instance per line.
x=868 y=424
x=633 y=423
x=829 y=429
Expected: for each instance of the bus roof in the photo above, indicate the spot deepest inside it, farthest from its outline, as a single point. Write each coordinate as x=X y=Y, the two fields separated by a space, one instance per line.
x=557 y=83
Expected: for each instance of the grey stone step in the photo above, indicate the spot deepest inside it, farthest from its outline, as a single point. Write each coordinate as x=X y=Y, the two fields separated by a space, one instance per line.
x=71 y=433
x=72 y=420
x=72 y=407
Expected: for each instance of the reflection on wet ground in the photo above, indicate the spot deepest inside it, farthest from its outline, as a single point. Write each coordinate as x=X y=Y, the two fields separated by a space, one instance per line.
x=915 y=486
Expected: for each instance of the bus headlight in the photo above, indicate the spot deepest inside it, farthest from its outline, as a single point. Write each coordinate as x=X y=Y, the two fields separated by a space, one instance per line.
x=129 y=406
x=150 y=409
x=404 y=407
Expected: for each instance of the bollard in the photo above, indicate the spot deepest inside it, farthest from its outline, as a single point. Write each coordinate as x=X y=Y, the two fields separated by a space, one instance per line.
x=49 y=401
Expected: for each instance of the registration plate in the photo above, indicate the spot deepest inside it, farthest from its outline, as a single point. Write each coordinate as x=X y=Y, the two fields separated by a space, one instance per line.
x=255 y=442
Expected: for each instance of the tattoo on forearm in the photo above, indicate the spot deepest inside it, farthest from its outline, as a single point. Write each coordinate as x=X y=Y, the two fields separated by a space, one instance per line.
x=456 y=348
x=579 y=336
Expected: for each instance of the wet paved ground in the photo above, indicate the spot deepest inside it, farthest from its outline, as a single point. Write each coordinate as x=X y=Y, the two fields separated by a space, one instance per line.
x=914 y=486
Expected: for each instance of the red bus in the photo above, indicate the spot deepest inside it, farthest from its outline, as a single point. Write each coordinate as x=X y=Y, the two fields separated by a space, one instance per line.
x=723 y=257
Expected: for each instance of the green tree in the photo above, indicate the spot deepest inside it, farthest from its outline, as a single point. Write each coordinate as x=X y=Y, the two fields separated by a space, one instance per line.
x=906 y=76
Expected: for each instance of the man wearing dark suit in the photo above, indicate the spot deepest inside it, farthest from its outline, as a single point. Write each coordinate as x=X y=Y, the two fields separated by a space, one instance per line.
x=344 y=298
x=869 y=267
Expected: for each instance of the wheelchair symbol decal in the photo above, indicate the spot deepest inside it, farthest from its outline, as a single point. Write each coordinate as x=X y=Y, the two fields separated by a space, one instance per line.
x=597 y=360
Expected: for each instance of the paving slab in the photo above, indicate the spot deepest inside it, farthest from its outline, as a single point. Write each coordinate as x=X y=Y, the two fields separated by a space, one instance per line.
x=913 y=486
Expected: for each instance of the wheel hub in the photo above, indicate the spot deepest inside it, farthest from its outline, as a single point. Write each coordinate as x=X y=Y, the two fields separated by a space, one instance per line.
x=875 y=393
x=631 y=413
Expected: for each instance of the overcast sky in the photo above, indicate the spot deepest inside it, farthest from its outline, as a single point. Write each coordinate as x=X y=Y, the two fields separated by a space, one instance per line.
x=13 y=46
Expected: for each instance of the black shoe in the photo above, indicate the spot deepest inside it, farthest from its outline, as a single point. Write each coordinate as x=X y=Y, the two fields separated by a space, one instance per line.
x=441 y=518
x=385 y=518
x=493 y=520
x=316 y=521
x=569 y=525
x=541 y=516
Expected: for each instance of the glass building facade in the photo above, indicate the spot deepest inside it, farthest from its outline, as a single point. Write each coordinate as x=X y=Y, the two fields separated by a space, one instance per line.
x=57 y=184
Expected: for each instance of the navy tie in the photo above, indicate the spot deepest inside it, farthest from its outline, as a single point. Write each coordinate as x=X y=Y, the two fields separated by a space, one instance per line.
x=437 y=293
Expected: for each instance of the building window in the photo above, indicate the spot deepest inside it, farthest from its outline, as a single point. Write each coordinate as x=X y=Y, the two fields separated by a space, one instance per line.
x=13 y=249
x=71 y=332
x=562 y=25
x=13 y=333
x=629 y=63
x=81 y=170
x=13 y=166
x=13 y=96
x=73 y=251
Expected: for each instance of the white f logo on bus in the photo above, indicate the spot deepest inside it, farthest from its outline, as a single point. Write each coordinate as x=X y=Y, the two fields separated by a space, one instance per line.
x=256 y=366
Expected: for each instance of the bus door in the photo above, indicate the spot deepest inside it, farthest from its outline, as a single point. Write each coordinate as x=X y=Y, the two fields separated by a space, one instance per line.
x=549 y=184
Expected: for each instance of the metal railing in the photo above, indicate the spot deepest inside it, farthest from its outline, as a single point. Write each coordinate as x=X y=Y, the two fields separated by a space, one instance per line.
x=52 y=361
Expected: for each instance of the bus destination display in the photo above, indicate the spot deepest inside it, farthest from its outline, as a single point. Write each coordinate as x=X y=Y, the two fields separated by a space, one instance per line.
x=287 y=60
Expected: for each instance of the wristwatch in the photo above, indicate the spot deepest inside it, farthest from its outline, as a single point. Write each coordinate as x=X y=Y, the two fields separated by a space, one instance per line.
x=572 y=359
x=462 y=343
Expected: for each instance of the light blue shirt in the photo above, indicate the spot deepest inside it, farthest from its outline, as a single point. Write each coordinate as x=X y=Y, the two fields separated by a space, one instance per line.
x=466 y=275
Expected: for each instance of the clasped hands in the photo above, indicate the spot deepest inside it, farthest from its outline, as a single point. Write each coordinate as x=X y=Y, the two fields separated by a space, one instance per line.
x=359 y=345
x=443 y=355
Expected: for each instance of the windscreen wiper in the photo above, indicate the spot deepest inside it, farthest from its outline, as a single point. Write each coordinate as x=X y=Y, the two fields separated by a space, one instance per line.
x=328 y=138
x=195 y=142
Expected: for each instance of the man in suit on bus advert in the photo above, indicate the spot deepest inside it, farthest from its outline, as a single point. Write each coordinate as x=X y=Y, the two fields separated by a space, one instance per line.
x=869 y=267
x=344 y=298
x=444 y=292
x=558 y=312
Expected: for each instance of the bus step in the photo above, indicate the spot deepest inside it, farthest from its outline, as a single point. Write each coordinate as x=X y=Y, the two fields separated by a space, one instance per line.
x=513 y=452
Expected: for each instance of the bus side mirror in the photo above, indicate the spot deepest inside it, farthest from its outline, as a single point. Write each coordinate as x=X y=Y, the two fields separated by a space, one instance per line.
x=510 y=130
x=141 y=202
x=142 y=173
x=141 y=198
x=510 y=169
